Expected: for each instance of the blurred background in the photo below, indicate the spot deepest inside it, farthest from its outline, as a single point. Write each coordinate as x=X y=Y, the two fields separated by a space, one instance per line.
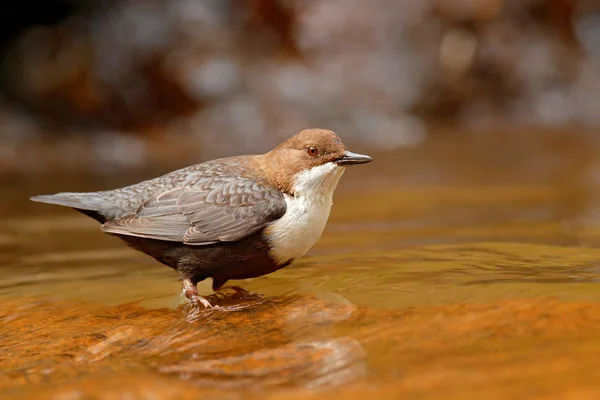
x=113 y=85
x=463 y=258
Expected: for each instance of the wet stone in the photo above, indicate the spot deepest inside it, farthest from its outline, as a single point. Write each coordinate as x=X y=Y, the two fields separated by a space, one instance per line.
x=261 y=350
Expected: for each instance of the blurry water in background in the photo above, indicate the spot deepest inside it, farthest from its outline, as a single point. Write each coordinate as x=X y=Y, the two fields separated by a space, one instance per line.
x=109 y=85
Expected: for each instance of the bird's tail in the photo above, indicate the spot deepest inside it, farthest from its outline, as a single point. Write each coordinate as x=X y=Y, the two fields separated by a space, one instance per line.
x=83 y=201
x=92 y=204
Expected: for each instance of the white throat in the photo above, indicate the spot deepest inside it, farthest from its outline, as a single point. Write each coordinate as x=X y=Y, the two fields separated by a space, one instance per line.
x=307 y=212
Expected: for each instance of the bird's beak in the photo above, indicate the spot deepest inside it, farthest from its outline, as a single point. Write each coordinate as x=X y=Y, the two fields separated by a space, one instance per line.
x=350 y=158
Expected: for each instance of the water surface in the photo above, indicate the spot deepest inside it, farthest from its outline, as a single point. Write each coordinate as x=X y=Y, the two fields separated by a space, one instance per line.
x=462 y=268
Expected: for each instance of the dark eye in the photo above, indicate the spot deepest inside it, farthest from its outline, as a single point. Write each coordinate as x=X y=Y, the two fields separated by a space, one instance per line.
x=312 y=151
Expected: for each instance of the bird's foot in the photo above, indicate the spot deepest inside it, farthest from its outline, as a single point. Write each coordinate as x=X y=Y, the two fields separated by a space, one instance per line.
x=201 y=301
x=197 y=302
x=230 y=298
x=196 y=306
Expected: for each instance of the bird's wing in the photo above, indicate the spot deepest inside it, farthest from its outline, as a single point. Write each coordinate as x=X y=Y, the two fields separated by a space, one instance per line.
x=223 y=209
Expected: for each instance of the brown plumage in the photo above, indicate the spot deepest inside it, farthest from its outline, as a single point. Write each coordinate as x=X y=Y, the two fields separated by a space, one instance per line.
x=210 y=219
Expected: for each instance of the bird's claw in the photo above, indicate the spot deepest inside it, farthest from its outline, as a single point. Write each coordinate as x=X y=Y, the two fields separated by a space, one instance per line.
x=199 y=300
x=196 y=301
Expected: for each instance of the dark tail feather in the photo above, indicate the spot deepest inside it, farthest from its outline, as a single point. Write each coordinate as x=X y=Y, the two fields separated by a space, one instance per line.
x=93 y=214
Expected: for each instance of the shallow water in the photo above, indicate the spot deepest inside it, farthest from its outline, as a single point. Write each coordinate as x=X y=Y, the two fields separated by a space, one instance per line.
x=468 y=266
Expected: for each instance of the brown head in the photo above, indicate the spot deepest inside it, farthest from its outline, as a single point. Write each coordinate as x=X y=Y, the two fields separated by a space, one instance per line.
x=312 y=159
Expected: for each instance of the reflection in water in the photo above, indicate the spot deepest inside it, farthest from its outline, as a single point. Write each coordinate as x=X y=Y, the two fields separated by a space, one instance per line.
x=441 y=271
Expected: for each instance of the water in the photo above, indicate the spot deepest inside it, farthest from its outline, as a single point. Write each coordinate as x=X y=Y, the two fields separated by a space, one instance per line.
x=466 y=267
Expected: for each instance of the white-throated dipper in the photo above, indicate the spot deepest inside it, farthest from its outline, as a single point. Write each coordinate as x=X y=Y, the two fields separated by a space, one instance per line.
x=231 y=218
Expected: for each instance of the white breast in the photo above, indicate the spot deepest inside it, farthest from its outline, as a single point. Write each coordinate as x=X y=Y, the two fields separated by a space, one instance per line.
x=295 y=233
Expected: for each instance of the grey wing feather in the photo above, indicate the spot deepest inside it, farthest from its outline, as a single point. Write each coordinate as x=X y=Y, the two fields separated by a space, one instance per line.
x=165 y=227
x=221 y=210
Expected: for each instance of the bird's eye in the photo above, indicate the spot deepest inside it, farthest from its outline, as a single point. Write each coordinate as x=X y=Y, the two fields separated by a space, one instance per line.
x=312 y=151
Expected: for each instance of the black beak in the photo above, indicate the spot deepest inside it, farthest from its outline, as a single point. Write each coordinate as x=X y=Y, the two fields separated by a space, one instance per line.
x=350 y=158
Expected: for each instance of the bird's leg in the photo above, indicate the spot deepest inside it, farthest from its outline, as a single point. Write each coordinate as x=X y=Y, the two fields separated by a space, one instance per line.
x=190 y=291
x=189 y=288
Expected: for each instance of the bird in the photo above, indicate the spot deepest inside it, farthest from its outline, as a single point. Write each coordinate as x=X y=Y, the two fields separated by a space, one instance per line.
x=230 y=218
